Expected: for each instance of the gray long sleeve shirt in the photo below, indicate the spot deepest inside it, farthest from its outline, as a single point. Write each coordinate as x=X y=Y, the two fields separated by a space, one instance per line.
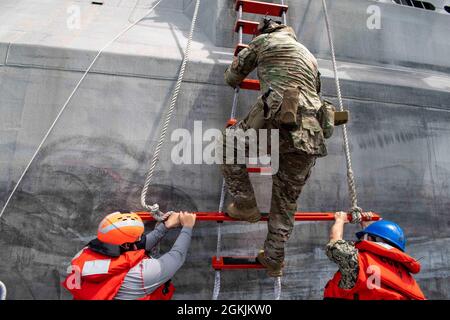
x=149 y=274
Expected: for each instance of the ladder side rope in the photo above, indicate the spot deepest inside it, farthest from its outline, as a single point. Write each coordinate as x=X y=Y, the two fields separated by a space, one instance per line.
x=216 y=289
x=217 y=280
x=154 y=209
x=63 y=108
x=277 y=288
x=355 y=210
x=284 y=13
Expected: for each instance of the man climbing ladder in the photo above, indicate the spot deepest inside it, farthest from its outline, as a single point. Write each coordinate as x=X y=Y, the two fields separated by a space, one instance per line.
x=290 y=82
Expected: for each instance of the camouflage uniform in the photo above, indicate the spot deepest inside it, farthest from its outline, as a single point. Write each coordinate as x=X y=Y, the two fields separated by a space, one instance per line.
x=345 y=255
x=281 y=63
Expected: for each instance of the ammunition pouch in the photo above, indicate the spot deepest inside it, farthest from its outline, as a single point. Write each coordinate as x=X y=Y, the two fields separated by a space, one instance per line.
x=309 y=136
x=326 y=118
x=287 y=116
x=329 y=118
x=283 y=111
x=297 y=122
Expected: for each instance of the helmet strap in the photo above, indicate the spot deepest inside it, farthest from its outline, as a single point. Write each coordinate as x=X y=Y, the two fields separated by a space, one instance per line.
x=107 y=249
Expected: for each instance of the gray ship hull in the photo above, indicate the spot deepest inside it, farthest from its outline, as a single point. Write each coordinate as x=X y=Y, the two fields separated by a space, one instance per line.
x=395 y=82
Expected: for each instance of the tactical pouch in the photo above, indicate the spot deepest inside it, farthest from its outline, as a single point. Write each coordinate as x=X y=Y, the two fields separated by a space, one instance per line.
x=309 y=137
x=326 y=117
x=288 y=112
x=341 y=117
x=255 y=118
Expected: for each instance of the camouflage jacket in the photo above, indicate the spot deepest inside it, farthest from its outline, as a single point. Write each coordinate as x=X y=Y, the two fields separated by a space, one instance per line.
x=345 y=255
x=281 y=63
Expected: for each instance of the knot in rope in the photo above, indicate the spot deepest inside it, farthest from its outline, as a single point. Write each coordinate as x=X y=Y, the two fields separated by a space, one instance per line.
x=356 y=213
x=157 y=214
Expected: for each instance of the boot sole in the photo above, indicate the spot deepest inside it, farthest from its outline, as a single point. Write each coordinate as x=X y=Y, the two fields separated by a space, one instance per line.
x=240 y=218
x=245 y=220
x=274 y=274
x=271 y=273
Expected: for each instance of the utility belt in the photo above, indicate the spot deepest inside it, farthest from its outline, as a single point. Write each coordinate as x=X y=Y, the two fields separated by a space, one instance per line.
x=289 y=113
x=307 y=112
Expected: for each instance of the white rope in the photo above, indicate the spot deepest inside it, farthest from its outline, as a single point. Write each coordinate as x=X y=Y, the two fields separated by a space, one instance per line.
x=2 y=291
x=284 y=14
x=355 y=210
x=217 y=279
x=63 y=108
x=216 y=289
x=154 y=209
x=277 y=288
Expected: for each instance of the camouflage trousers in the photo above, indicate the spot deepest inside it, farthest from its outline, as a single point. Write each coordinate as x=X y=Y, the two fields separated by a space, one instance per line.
x=287 y=184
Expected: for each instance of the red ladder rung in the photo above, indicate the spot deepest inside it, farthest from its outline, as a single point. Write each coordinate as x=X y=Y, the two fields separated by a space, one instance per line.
x=259 y=169
x=258 y=7
x=239 y=47
x=248 y=27
x=250 y=84
x=235 y=263
x=221 y=216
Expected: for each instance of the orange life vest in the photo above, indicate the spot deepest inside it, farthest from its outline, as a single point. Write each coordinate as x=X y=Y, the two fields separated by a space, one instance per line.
x=99 y=277
x=392 y=267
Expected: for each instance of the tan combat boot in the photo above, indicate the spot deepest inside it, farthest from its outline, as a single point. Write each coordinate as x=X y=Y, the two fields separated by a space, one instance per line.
x=274 y=269
x=251 y=215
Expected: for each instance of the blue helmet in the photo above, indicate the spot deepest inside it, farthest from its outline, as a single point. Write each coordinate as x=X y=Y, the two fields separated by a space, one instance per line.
x=387 y=230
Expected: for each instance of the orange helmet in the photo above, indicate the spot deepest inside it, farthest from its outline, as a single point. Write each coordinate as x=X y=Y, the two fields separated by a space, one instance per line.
x=118 y=228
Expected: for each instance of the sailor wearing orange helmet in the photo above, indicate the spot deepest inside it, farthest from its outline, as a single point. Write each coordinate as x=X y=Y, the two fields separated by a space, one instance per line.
x=116 y=264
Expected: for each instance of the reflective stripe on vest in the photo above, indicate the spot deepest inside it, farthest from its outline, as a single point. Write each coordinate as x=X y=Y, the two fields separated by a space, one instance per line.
x=95 y=267
x=102 y=278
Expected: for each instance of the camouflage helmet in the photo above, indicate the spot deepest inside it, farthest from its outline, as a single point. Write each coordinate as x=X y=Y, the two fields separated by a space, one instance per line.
x=267 y=25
